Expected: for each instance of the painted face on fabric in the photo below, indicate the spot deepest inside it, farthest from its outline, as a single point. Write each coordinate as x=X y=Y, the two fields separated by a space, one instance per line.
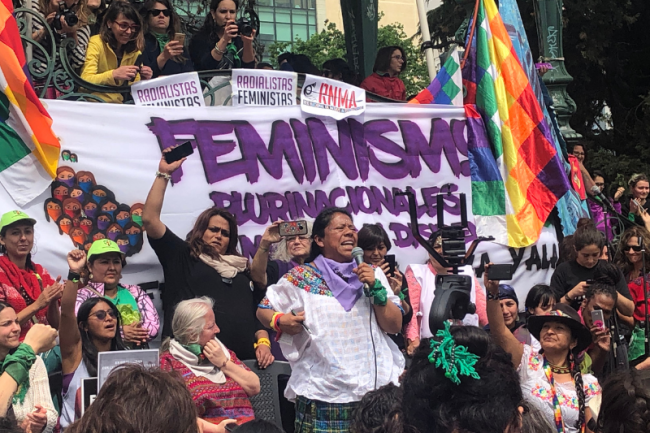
x=60 y=193
x=86 y=225
x=123 y=218
x=90 y=209
x=66 y=177
x=65 y=224
x=98 y=236
x=54 y=210
x=72 y=209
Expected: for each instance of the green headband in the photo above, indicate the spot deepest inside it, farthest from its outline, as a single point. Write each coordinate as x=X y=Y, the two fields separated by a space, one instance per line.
x=453 y=359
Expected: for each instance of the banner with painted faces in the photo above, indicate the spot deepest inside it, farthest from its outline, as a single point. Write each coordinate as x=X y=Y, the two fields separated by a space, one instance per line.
x=260 y=163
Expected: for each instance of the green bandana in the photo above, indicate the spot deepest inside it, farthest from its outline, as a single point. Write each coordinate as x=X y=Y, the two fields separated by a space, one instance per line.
x=377 y=294
x=453 y=359
x=162 y=40
x=231 y=48
x=195 y=349
x=17 y=365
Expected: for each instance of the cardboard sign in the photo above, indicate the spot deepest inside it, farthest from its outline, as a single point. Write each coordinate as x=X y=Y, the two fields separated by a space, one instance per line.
x=263 y=87
x=108 y=361
x=181 y=90
x=325 y=97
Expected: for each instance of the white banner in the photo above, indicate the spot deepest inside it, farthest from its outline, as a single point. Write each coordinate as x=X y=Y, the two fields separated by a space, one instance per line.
x=260 y=87
x=261 y=164
x=325 y=97
x=180 y=90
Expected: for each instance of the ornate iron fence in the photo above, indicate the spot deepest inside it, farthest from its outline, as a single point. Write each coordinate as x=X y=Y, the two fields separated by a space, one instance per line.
x=50 y=68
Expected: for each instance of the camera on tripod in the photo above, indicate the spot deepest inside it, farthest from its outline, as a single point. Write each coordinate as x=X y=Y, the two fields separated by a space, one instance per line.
x=69 y=16
x=452 y=296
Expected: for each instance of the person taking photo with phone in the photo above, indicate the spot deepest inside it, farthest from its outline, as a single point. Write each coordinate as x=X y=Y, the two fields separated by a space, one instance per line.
x=219 y=44
x=207 y=263
x=375 y=243
x=551 y=378
x=334 y=314
x=572 y=278
x=421 y=279
x=113 y=53
x=164 y=51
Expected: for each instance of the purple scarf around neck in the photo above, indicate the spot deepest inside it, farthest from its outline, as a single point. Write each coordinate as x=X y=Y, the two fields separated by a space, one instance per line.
x=335 y=275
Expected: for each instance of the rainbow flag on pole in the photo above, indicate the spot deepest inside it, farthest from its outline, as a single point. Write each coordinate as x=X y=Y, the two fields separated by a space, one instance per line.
x=517 y=173
x=447 y=87
x=29 y=150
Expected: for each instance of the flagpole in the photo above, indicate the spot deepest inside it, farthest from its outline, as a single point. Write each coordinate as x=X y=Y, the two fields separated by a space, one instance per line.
x=426 y=39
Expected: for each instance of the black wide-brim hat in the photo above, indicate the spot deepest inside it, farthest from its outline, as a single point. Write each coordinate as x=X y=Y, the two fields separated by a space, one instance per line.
x=563 y=313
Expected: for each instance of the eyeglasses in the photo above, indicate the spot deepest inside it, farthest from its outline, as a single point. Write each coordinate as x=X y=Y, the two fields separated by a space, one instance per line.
x=298 y=238
x=156 y=12
x=599 y=184
x=216 y=230
x=124 y=26
x=101 y=315
x=399 y=57
x=635 y=248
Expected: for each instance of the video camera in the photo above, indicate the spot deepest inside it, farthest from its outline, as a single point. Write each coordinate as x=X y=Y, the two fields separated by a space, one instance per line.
x=68 y=15
x=452 y=294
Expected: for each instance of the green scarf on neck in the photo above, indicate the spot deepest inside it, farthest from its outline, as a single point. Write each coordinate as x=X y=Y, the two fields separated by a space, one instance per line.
x=17 y=365
x=195 y=349
x=163 y=39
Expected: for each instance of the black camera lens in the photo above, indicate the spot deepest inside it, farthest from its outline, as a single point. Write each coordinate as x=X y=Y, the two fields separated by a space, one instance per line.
x=244 y=27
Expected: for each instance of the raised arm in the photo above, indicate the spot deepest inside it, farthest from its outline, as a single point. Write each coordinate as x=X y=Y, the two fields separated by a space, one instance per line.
x=69 y=335
x=258 y=268
x=498 y=329
x=153 y=206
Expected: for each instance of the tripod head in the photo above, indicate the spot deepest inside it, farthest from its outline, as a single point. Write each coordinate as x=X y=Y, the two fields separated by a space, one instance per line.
x=452 y=292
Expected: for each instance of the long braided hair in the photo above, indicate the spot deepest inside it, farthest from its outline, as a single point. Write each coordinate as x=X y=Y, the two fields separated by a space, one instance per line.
x=580 y=390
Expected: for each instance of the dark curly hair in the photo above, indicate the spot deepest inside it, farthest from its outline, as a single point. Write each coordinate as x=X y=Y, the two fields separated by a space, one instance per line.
x=380 y=411
x=434 y=404
x=626 y=403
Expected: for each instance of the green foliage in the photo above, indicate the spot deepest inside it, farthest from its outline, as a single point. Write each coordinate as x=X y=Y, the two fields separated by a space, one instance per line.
x=330 y=44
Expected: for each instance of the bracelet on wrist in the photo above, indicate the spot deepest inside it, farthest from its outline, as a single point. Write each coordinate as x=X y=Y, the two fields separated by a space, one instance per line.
x=261 y=248
x=218 y=50
x=262 y=342
x=492 y=296
x=163 y=175
x=275 y=321
x=74 y=276
x=568 y=298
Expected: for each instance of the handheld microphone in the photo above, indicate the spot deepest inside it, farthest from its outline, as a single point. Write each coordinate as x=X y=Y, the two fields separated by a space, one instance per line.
x=596 y=192
x=357 y=256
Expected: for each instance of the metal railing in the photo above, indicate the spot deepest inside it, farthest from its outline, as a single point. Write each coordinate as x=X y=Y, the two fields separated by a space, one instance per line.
x=50 y=68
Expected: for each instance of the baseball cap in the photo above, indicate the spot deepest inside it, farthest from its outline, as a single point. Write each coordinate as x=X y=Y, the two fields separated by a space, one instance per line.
x=13 y=217
x=103 y=246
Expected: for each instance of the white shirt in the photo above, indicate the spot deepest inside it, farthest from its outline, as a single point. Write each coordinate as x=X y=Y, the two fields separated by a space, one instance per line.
x=37 y=394
x=537 y=390
x=336 y=362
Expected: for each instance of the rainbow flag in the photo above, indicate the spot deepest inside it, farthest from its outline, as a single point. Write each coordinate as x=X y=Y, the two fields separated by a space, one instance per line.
x=517 y=173
x=29 y=150
x=447 y=87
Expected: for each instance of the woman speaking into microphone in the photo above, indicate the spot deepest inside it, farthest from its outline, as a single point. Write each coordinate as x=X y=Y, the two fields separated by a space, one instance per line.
x=332 y=315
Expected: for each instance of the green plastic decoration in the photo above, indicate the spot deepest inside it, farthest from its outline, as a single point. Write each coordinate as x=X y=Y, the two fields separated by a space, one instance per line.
x=455 y=360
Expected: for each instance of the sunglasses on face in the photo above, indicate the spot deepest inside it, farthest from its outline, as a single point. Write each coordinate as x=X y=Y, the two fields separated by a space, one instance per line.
x=124 y=26
x=635 y=248
x=156 y=12
x=101 y=315
x=598 y=184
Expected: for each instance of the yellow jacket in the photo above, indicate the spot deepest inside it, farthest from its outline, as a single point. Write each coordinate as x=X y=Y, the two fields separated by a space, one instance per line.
x=100 y=63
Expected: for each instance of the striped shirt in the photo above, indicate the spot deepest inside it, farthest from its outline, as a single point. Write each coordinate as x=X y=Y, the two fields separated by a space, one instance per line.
x=76 y=56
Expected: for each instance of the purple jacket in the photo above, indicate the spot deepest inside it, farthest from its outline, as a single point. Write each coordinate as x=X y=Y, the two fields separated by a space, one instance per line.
x=148 y=312
x=598 y=216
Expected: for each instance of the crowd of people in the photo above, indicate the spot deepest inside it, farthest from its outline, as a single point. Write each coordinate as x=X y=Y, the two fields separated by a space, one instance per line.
x=117 y=43
x=346 y=328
